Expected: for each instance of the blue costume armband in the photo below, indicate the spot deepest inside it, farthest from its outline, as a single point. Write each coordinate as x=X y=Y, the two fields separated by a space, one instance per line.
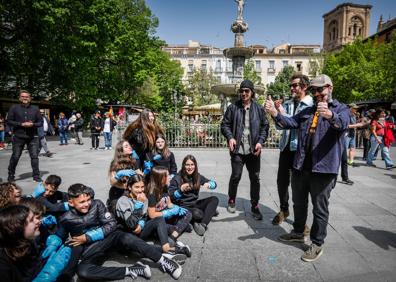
x=66 y=206
x=212 y=184
x=177 y=194
x=138 y=205
x=95 y=234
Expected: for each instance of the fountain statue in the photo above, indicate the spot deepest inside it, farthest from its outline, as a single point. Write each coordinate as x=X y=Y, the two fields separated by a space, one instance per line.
x=238 y=54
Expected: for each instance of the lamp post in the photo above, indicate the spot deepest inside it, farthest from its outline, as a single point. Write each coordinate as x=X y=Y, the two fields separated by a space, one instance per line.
x=175 y=101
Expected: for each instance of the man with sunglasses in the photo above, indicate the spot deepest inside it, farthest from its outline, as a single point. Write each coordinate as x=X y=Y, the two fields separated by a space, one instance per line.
x=24 y=119
x=301 y=99
x=245 y=127
x=318 y=156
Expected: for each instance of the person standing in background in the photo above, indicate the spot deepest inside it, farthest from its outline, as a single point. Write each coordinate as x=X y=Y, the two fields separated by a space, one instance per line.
x=42 y=132
x=78 y=127
x=96 y=125
x=24 y=119
x=108 y=127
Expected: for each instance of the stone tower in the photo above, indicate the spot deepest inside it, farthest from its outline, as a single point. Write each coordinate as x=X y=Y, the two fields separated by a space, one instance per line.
x=344 y=24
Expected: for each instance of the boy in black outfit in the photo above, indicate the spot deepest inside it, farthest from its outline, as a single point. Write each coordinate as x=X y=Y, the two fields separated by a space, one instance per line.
x=55 y=202
x=92 y=231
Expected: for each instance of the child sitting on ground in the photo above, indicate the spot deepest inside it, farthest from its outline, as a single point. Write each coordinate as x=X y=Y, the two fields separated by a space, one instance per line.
x=48 y=194
x=160 y=205
x=92 y=231
x=131 y=212
x=184 y=191
x=10 y=194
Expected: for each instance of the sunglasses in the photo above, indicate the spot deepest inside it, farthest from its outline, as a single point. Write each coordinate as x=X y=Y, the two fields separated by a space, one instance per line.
x=246 y=90
x=313 y=90
x=294 y=85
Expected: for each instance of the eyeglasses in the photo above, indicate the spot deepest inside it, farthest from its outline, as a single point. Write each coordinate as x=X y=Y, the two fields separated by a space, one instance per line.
x=294 y=85
x=313 y=90
x=244 y=90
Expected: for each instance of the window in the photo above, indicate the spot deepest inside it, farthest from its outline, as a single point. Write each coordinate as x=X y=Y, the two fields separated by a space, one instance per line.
x=190 y=66
x=299 y=66
x=204 y=64
x=271 y=64
x=258 y=65
x=285 y=63
x=218 y=66
x=282 y=51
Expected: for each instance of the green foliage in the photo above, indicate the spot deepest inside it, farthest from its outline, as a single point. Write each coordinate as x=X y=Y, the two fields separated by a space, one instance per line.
x=199 y=87
x=82 y=50
x=281 y=84
x=250 y=73
x=363 y=71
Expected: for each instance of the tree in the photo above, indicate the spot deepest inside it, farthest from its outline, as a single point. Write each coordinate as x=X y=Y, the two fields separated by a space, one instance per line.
x=281 y=84
x=199 y=87
x=251 y=74
x=363 y=71
x=83 y=50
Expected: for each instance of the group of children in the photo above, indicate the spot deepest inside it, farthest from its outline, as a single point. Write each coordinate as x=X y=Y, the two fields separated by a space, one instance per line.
x=51 y=235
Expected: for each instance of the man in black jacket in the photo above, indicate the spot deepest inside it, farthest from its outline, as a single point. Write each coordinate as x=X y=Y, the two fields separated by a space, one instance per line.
x=24 y=119
x=245 y=127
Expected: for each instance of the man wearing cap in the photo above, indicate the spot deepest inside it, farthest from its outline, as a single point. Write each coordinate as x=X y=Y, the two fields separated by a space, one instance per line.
x=245 y=127
x=317 y=160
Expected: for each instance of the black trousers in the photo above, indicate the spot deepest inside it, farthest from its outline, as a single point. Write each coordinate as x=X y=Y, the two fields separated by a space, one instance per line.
x=344 y=165
x=285 y=167
x=95 y=140
x=178 y=223
x=204 y=209
x=93 y=256
x=253 y=166
x=17 y=147
x=366 y=147
x=157 y=228
x=319 y=186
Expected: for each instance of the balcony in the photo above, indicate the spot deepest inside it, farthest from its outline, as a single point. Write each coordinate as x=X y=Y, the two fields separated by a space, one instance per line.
x=271 y=70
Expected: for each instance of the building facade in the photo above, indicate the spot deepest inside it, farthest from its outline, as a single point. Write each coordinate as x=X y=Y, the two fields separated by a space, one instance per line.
x=267 y=63
x=344 y=24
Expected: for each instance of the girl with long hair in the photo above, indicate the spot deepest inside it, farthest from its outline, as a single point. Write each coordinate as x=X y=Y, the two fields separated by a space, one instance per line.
x=162 y=156
x=121 y=168
x=160 y=204
x=10 y=194
x=131 y=212
x=184 y=191
x=20 y=258
x=141 y=133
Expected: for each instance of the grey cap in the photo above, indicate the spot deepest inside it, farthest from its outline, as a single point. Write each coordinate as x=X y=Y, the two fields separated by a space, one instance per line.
x=321 y=80
x=353 y=106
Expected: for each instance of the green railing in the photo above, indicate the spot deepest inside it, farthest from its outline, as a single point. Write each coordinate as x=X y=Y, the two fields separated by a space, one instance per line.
x=203 y=135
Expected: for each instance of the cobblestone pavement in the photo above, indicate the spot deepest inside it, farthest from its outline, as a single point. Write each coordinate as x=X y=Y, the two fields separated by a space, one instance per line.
x=361 y=241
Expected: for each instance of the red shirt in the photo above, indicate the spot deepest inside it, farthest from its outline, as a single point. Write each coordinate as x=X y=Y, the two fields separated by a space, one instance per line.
x=379 y=128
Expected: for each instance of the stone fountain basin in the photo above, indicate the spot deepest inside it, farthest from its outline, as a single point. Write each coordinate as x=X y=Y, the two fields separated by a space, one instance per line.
x=231 y=90
x=238 y=52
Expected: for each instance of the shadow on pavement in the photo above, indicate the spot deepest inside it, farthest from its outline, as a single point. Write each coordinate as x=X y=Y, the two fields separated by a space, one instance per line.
x=26 y=175
x=383 y=239
x=261 y=228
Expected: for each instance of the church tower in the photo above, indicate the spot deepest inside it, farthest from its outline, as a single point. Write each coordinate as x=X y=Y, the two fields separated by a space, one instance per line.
x=344 y=24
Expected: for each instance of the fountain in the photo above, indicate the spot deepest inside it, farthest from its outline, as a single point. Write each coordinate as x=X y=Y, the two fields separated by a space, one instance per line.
x=228 y=93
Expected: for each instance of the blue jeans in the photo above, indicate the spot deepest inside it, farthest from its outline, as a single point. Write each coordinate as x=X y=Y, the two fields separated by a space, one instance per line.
x=63 y=137
x=108 y=138
x=384 y=151
x=2 y=134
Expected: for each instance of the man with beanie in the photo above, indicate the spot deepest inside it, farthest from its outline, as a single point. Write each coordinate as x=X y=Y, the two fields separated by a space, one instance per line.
x=245 y=127
x=317 y=160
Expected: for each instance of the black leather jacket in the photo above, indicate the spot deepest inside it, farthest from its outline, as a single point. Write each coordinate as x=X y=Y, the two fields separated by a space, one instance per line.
x=233 y=124
x=76 y=224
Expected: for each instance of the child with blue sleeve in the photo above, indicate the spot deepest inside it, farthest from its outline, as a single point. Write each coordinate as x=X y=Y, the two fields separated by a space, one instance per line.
x=184 y=191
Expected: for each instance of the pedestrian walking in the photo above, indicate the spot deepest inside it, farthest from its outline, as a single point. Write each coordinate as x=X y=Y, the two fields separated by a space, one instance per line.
x=63 y=125
x=42 y=132
x=108 y=127
x=317 y=161
x=245 y=127
x=2 y=132
x=78 y=127
x=24 y=119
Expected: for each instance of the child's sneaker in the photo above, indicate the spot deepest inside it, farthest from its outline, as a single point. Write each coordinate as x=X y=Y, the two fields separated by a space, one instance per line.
x=181 y=248
x=171 y=267
x=139 y=269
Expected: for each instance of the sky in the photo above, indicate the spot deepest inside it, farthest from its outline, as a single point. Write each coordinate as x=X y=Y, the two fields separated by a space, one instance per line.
x=271 y=22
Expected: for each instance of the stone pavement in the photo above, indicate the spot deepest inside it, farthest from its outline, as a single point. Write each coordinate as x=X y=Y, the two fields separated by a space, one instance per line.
x=361 y=241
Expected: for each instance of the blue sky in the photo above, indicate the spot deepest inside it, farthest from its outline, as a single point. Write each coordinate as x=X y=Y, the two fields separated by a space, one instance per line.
x=271 y=22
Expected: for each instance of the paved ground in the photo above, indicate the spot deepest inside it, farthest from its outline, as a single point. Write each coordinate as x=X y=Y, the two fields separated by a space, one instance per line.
x=361 y=241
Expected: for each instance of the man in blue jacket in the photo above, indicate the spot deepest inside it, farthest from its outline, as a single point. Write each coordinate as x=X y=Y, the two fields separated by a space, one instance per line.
x=245 y=127
x=317 y=160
